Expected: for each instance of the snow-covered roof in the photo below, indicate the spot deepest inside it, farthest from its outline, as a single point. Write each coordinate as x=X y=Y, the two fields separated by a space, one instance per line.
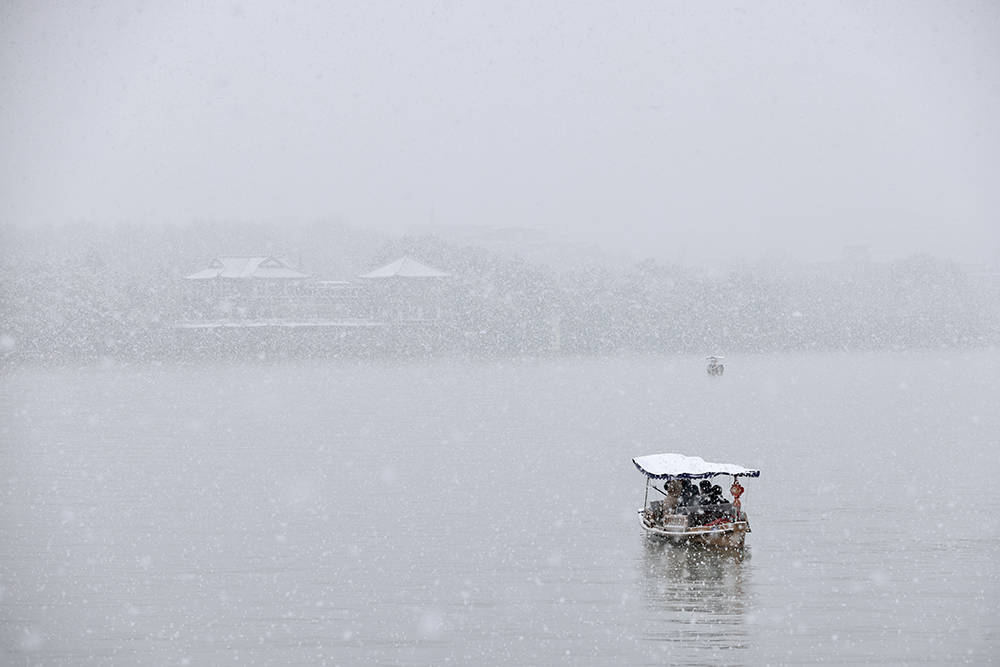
x=406 y=267
x=670 y=466
x=247 y=267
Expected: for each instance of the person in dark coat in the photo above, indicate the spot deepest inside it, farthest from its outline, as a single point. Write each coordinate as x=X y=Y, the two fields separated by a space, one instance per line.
x=688 y=491
x=695 y=509
x=711 y=494
x=712 y=500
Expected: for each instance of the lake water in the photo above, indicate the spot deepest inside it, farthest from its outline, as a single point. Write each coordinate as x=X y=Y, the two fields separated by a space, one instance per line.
x=426 y=512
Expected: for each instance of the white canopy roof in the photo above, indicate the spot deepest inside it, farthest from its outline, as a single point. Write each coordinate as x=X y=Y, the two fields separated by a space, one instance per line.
x=670 y=466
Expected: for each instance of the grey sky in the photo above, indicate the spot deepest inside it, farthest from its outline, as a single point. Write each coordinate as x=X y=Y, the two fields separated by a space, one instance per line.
x=684 y=130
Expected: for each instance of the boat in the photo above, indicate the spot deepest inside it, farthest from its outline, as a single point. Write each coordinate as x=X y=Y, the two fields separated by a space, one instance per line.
x=690 y=514
x=714 y=365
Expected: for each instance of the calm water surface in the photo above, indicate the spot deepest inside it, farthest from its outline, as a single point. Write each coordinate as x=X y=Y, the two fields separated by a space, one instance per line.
x=485 y=512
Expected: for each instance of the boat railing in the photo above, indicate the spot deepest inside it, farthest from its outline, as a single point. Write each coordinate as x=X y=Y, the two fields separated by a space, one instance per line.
x=693 y=515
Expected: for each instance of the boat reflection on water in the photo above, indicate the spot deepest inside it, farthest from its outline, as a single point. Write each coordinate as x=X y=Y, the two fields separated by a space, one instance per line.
x=696 y=600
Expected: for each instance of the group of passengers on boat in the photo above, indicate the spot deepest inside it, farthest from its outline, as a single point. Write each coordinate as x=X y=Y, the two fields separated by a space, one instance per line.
x=702 y=504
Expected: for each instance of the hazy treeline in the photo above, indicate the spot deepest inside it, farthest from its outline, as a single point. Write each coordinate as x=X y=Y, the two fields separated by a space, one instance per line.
x=915 y=302
x=919 y=301
x=84 y=292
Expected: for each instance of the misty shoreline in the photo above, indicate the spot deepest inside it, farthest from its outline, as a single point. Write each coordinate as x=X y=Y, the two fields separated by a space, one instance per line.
x=119 y=293
x=694 y=362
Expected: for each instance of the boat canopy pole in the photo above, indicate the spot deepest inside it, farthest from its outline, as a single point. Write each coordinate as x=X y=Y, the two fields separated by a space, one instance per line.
x=645 y=501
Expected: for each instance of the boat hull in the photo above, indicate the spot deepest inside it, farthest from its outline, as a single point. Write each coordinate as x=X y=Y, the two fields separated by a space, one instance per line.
x=729 y=535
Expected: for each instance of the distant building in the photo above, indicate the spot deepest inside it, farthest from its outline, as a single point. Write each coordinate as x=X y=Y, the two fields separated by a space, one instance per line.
x=400 y=304
x=405 y=267
x=242 y=287
x=231 y=267
x=407 y=291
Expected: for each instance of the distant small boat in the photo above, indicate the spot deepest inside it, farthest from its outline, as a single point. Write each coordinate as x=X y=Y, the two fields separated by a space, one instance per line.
x=691 y=514
x=714 y=366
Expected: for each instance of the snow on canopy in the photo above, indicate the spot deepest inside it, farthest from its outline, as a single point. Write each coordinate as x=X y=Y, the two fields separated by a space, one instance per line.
x=247 y=267
x=670 y=466
x=406 y=267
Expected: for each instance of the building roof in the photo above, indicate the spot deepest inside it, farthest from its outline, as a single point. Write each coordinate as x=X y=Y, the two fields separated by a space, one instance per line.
x=406 y=267
x=234 y=267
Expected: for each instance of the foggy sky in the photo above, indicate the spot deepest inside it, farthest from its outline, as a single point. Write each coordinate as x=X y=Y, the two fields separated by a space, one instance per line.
x=684 y=130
